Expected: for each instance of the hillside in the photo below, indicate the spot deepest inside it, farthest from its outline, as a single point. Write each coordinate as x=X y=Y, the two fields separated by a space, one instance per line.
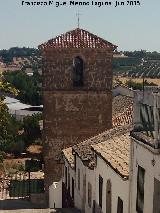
x=125 y=64
x=137 y=65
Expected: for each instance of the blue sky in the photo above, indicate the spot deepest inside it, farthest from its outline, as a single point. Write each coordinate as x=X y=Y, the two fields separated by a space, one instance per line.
x=130 y=28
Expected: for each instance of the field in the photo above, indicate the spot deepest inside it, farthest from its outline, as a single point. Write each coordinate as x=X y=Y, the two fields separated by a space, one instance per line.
x=140 y=80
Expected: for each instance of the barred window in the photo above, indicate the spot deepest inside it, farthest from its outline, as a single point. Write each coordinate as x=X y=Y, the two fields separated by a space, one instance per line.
x=66 y=175
x=89 y=195
x=79 y=179
x=140 y=190
x=100 y=190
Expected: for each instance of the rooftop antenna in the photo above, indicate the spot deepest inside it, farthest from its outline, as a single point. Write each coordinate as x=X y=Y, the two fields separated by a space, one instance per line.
x=78 y=20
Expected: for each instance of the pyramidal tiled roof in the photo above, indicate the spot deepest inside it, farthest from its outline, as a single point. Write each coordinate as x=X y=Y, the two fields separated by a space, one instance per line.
x=77 y=38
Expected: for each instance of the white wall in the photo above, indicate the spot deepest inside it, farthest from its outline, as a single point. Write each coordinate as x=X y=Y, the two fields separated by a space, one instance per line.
x=90 y=177
x=79 y=193
x=120 y=90
x=55 y=195
x=120 y=187
x=144 y=157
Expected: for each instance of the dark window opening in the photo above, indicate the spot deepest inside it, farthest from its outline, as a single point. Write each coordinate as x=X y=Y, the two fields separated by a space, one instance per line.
x=73 y=188
x=66 y=175
x=78 y=72
x=156 y=198
x=140 y=190
x=100 y=190
x=108 y=196
x=68 y=180
x=89 y=195
x=78 y=179
x=120 y=205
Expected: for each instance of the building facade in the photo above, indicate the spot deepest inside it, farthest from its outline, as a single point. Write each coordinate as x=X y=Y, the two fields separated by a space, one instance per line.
x=118 y=170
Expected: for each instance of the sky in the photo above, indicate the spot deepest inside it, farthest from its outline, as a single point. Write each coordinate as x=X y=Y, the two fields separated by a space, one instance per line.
x=128 y=27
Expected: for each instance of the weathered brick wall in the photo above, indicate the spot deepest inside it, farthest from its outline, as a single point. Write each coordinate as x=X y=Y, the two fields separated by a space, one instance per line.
x=72 y=115
x=58 y=67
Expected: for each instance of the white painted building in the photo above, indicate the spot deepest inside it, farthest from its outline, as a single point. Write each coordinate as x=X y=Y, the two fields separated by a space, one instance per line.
x=145 y=154
x=118 y=171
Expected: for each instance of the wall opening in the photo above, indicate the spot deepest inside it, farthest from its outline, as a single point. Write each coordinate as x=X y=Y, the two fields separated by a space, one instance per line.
x=120 y=205
x=140 y=190
x=100 y=190
x=108 y=196
x=78 y=66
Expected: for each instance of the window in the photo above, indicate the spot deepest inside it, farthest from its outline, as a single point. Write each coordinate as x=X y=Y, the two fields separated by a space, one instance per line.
x=78 y=72
x=156 y=198
x=100 y=190
x=89 y=195
x=108 y=196
x=73 y=188
x=140 y=190
x=120 y=206
x=66 y=175
x=79 y=179
x=68 y=180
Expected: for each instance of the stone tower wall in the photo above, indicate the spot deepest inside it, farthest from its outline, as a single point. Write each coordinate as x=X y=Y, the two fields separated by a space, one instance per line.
x=72 y=114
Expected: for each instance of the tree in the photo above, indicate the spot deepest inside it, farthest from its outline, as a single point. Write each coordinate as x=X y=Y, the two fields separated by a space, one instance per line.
x=32 y=128
x=9 y=127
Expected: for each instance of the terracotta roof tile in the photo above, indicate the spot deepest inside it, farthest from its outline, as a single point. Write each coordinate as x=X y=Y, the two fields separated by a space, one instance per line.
x=69 y=156
x=120 y=104
x=77 y=38
x=115 y=152
x=84 y=151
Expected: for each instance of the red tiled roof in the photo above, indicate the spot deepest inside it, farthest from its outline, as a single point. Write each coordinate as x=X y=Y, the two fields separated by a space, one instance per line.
x=115 y=151
x=77 y=38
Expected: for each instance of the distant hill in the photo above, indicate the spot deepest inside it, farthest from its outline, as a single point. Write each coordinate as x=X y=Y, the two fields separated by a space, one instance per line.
x=8 y=55
x=137 y=64
x=125 y=64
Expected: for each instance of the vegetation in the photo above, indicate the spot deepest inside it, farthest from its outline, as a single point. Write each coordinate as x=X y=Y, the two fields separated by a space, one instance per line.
x=29 y=86
x=138 y=86
x=7 y=55
x=10 y=139
x=32 y=129
x=138 y=64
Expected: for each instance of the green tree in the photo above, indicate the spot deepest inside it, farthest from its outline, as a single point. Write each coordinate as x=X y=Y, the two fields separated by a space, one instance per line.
x=32 y=128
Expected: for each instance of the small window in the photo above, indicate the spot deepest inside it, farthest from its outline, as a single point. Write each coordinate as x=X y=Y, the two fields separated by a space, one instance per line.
x=73 y=188
x=66 y=175
x=89 y=195
x=100 y=190
x=68 y=180
x=108 y=196
x=120 y=205
x=140 y=190
x=79 y=179
x=78 y=72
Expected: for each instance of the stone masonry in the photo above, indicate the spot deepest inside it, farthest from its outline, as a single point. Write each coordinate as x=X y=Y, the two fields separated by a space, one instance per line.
x=73 y=114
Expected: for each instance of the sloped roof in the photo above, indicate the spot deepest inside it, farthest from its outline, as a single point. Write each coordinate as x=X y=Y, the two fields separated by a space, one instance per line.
x=115 y=152
x=84 y=151
x=120 y=104
x=69 y=156
x=77 y=38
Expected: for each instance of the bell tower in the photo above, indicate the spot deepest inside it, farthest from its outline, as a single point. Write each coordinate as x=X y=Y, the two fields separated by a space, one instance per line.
x=77 y=91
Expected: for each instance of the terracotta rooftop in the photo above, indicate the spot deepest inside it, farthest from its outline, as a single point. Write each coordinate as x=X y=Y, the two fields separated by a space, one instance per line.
x=122 y=123
x=77 y=38
x=84 y=151
x=115 y=152
x=69 y=156
x=124 y=118
x=120 y=104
